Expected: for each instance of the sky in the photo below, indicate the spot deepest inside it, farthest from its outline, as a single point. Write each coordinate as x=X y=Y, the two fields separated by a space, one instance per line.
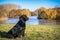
x=32 y=5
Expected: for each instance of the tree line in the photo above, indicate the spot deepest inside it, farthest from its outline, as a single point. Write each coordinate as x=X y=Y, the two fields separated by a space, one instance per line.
x=13 y=11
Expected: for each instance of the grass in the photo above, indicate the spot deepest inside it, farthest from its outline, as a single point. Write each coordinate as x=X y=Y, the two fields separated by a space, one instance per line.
x=34 y=32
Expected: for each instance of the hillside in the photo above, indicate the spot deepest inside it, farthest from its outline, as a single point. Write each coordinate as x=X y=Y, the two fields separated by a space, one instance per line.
x=5 y=9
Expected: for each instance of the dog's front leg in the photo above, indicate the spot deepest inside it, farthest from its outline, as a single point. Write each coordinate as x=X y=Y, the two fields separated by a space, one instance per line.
x=19 y=34
x=23 y=32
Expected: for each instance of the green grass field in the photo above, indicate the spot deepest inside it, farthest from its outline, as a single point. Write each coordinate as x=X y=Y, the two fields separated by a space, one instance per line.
x=34 y=32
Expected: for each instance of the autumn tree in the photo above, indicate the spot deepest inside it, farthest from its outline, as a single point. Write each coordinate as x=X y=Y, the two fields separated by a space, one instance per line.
x=42 y=13
x=17 y=13
x=26 y=12
x=47 y=13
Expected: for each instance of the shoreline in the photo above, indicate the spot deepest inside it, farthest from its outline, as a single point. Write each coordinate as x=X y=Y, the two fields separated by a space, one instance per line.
x=3 y=18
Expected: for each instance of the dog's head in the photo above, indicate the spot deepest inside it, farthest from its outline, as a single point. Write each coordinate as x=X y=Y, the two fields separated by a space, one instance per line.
x=23 y=17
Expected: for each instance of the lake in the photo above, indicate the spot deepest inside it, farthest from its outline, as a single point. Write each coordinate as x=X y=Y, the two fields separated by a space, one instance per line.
x=33 y=20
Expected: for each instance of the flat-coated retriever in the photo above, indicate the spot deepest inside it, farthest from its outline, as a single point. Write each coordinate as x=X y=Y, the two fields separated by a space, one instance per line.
x=19 y=29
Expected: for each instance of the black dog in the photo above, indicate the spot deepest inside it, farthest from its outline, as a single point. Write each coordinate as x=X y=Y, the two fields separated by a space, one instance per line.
x=19 y=29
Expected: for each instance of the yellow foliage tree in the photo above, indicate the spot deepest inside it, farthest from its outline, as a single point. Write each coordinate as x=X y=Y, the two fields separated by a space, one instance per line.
x=17 y=13
x=50 y=13
x=25 y=12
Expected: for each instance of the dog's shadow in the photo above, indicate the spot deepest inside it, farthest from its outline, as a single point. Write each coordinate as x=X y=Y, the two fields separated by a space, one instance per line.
x=3 y=34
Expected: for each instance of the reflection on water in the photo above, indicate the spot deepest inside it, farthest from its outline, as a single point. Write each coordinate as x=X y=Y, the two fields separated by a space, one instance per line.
x=34 y=20
x=49 y=22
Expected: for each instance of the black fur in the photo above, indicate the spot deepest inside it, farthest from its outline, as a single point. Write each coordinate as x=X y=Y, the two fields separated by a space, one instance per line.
x=19 y=29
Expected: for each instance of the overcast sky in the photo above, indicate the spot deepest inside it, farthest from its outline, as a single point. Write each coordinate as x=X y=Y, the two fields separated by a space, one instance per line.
x=32 y=4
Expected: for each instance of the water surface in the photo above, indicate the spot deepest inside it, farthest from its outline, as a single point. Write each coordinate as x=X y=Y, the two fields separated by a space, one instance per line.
x=34 y=20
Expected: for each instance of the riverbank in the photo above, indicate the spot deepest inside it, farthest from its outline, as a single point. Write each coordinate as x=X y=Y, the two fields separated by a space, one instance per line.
x=35 y=32
x=3 y=18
